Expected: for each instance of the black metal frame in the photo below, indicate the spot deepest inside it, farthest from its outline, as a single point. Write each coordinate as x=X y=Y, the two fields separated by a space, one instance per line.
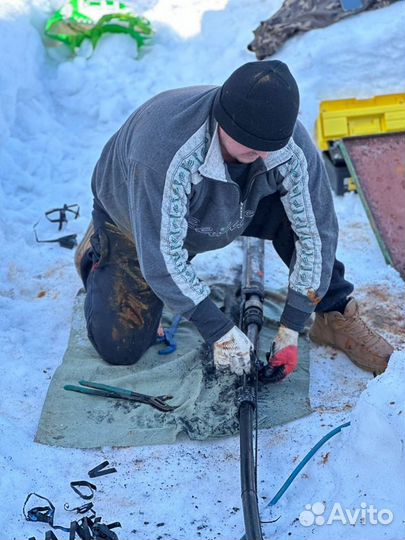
x=336 y=169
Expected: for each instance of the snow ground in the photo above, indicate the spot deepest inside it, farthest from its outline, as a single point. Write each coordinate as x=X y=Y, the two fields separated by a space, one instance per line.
x=55 y=117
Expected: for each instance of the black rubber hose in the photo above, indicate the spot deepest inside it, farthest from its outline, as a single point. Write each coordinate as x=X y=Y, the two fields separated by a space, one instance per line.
x=253 y=530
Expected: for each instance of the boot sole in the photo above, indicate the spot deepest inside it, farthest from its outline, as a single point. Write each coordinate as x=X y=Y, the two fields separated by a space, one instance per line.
x=376 y=370
x=83 y=246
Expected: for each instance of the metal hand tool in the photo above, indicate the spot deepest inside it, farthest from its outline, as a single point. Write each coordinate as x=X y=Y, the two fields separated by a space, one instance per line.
x=104 y=390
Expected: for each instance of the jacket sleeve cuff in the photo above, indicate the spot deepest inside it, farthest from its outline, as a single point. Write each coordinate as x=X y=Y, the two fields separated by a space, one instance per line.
x=210 y=321
x=294 y=318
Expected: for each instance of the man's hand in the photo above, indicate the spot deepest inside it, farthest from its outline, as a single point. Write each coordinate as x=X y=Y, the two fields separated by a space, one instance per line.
x=284 y=355
x=233 y=351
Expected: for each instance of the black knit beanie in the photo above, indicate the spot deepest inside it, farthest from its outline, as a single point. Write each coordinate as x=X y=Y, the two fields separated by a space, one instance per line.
x=258 y=105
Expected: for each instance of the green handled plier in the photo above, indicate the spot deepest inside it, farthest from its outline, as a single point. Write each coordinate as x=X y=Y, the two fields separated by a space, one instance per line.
x=103 y=390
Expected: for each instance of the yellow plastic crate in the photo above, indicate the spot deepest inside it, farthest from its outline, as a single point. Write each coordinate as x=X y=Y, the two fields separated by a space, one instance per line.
x=357 y=117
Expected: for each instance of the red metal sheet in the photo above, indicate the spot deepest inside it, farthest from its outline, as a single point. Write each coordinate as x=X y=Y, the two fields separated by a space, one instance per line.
x=379 y=163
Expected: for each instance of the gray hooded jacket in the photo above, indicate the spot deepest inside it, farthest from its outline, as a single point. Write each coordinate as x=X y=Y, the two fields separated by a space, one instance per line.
x=163 y=181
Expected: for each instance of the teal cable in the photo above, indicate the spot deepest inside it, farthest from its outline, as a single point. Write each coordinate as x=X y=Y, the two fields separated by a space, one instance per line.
x=303 y=462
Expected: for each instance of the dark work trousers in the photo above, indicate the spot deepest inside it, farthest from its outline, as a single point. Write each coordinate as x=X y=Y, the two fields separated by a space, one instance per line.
x=122 y=311
x=271 y=223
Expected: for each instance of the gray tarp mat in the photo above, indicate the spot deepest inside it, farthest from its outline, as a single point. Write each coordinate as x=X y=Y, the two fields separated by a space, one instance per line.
x=206 y=398
x=297 y=16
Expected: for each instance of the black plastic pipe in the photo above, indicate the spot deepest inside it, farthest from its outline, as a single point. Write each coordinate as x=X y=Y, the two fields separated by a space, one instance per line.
x=251 y=322
x=251 y=515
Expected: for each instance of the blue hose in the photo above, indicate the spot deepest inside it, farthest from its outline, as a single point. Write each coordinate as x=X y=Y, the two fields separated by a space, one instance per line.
x=303 y=462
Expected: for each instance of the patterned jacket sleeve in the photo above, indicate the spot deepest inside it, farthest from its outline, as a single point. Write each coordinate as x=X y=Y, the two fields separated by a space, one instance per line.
x=158 y=208
x=307 y=199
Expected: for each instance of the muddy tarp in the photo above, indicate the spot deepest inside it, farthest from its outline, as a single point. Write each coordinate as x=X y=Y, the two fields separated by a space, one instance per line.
x=296 y=16
x=205 y=398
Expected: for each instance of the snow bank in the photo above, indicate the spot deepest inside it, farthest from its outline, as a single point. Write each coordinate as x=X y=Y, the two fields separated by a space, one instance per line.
x=370 y=463
x=20 y=108
x=358 y=474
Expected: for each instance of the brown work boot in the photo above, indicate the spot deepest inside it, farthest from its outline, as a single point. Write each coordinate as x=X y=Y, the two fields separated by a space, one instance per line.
x=83 y=246
x=352 y=335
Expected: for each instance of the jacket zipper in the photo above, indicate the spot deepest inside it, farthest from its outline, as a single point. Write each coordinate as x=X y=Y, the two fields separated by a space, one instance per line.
x=252 y=180
x=242 y=201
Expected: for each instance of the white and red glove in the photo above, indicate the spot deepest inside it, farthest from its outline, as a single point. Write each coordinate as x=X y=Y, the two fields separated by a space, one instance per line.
x=283 y=358
x=232 y=351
